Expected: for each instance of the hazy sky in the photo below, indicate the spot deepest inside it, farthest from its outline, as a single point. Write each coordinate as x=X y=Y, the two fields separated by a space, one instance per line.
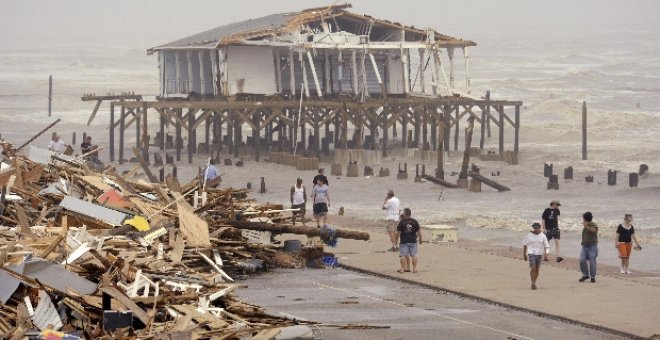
x=146 y=23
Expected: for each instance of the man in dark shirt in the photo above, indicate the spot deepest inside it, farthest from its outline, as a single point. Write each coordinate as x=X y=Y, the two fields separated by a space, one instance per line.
x=86 y=148
x=409 y=236
x=589 y=248
x=550 y=223
x=321 y=176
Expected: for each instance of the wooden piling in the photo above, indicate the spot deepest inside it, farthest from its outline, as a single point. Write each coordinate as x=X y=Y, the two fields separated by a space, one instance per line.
x=516 y=137
x=50 y=95
x=584 y=131
x=439 y=171
x=501 y=129
x=121 y=134
x=191 y=135
x=162 y=132
x=456 y=127
x=111 y=137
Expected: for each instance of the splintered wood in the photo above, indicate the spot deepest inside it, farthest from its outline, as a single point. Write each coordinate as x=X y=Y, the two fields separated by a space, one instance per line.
x=194 y=229
x=87 y=254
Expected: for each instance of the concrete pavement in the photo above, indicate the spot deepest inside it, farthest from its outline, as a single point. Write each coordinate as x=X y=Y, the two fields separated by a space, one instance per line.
x=630 y=305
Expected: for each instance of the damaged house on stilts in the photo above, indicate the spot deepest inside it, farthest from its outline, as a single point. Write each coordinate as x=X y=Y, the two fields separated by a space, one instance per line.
x=319 y=82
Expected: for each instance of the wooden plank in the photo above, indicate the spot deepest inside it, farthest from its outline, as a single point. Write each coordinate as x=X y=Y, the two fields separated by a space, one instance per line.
x=489 y=182
x=207 y=318
x=128 y=303
x=96 y=109
x=193 y=228
x=145 y=166
x=440 y=181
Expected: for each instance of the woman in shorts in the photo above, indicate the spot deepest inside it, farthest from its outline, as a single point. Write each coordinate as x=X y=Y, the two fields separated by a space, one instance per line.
x=625 y=234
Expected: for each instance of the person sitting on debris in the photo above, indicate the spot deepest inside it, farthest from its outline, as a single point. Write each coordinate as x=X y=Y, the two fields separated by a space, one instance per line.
x=88 y=149
x=212 y=175
x=56 y=144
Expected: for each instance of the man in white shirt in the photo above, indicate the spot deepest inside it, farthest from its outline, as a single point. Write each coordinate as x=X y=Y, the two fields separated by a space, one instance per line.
x=298 y=200
x=391 y=207
x=535 y=247
x=56 y=145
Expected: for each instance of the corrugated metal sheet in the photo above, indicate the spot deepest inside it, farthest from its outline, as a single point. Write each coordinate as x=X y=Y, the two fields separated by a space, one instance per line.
x=211 y=37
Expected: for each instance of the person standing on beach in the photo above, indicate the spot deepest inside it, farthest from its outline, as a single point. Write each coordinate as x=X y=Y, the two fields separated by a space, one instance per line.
x=550 y=222
x=391 y=207
x=589 y=248
x=409 y=235
x=625 y=234
x=321 y=176
x=298 y=200
x=321 y=200
x=535 y=246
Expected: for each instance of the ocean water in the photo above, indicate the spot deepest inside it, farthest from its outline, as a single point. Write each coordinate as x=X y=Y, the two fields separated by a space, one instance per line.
x=615 y=72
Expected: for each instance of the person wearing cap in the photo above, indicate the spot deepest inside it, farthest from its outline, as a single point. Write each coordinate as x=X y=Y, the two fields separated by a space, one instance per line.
x=535 y=247
x=550 y=224
x=298 y=200
x=589 y=250
x=625 y=234
x=392 y=212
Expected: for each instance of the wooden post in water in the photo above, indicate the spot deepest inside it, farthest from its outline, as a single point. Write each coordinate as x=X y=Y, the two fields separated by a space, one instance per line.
x=50 y=94
x=122 y=128
x=584 y=131
x=468 y=146
x=111 y=140
x=439 y=171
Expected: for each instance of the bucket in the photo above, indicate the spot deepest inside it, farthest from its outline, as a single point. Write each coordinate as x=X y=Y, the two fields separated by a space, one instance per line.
x=292 y=246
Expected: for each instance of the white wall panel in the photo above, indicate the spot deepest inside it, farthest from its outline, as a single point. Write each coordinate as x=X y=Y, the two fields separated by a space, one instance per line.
x=250 y=69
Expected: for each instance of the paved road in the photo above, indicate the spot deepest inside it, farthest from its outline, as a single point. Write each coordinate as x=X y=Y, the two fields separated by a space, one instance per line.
x=411 y=312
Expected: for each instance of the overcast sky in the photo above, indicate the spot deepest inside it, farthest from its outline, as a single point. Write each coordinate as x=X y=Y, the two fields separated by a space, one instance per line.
x=146 y=23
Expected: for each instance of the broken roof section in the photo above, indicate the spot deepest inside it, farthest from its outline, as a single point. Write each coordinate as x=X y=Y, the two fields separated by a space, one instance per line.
x=336 y=17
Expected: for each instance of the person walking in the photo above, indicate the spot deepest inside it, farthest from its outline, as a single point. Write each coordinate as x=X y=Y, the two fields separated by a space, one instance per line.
x=321 y=201
x=625 y=234
x=589 y=248
x=535 y=246
x=550 y=223
x=298 y=200
x=320 y=175
x=409 y=235
x=392 y=212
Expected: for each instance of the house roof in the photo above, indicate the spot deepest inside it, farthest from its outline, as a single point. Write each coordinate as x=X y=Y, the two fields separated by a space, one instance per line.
x=275 y=24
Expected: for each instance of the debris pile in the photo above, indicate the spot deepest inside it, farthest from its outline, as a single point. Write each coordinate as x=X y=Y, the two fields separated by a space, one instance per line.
x=88 y=254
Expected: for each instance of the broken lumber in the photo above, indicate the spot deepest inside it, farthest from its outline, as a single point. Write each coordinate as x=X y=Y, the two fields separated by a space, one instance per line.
x=440 y=181
x=296 y=229
x=497 y=186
